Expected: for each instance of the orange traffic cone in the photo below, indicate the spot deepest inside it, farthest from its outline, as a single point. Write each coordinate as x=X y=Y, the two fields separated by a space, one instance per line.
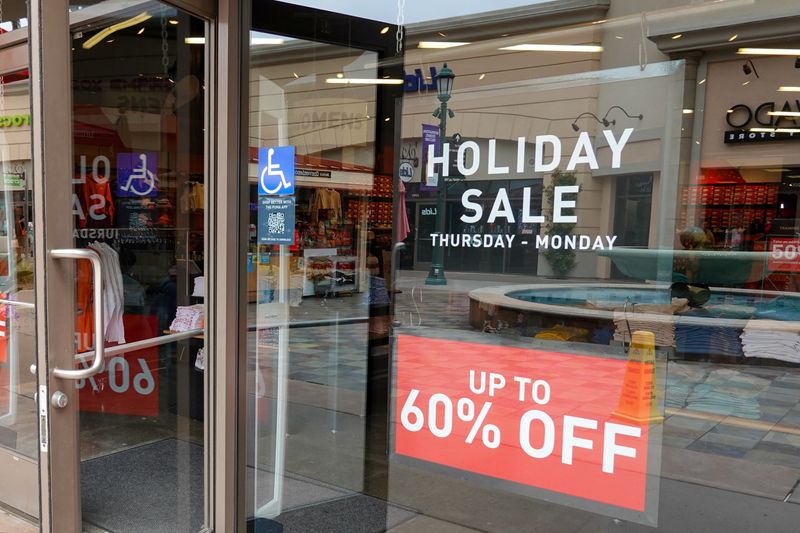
x=637 y=400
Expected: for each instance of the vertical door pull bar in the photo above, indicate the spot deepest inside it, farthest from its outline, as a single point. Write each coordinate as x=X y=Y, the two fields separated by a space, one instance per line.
x=99 y=324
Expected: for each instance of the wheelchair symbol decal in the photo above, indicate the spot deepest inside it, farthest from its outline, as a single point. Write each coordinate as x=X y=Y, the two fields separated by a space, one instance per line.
x=136 y=175
x=276 y=170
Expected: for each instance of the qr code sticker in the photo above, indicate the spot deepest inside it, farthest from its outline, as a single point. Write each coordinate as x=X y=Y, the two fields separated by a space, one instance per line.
x=276 y=223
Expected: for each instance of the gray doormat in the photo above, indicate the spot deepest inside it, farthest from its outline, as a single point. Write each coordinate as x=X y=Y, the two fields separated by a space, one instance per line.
x=351 y=514
x=152 y=488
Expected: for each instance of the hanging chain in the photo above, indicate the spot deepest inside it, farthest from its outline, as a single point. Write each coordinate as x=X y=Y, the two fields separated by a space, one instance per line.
x=642 y=44
x=164 y=44
x=401 y=20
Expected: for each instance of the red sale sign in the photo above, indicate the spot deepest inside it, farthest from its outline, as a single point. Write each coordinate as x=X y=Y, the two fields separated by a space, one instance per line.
x=541 y=419
x=784 y=254
x=128 y=385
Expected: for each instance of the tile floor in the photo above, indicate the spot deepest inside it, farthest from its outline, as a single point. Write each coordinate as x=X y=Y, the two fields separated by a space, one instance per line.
x=12 y=524
x=731 y=412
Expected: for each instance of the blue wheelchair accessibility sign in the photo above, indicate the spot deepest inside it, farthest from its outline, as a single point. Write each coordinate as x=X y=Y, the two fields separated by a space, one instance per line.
x=276 y=170
x=136 y=174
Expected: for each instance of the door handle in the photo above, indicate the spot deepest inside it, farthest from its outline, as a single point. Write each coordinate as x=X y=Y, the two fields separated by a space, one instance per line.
x=99 y=324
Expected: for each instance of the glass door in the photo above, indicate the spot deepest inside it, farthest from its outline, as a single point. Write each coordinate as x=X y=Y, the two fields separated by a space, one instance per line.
x=126 y=361
x=18 y=419
x=322 y=116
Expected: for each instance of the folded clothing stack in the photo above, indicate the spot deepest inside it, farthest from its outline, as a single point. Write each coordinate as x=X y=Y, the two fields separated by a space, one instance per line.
x=772 y=339
x=710 y=340
x=706 y=338
x=564 y=333
x=663 y=329
x=189 y=317
x=655 y=318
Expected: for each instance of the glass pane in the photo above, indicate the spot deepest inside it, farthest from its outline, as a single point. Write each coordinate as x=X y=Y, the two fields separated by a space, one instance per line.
x=18 y=419
x=138 y=200
x=603 y=334
x=311 y=266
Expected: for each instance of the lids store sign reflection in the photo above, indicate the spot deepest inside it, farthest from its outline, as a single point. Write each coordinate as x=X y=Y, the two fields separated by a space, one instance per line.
x=417 y=82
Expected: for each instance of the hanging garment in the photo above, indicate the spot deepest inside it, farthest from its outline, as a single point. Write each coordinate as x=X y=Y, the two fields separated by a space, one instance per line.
x=113 y=299
x=200 y=360
x=199 y=287
x=115 y=292
x=95 y=207
x=84 y=320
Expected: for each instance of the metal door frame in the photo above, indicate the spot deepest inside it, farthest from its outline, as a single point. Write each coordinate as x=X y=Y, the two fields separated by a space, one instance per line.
x=50 y=67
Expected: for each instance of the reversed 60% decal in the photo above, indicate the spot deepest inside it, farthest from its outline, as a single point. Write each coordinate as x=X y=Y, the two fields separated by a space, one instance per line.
x=120 y=379
x=440 y=418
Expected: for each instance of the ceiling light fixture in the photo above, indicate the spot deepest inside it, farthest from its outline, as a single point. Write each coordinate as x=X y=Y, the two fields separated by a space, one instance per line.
x=255 y=41
x=384 y=30
x=554 y=48
x=688 y=111
x=733 y=37
x=364 y=81
x=439 y=45
x=784 y=113
x=750 y=67
x=762 y=130
x=789 y=89
x=133 y=21
x=769 y=51
x=141 y=31
x=195 y=40
x=677 y=36
x=173 y=22
x=481 y=76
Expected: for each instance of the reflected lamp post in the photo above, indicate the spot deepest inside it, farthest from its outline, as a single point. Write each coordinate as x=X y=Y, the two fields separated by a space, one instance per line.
x=444 y=86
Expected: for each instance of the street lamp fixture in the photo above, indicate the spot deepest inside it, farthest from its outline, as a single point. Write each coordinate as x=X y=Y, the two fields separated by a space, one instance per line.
x=444 y=86
x=444 y=83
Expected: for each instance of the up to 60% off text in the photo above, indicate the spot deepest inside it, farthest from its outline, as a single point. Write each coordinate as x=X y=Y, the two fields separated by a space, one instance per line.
x=537 y=430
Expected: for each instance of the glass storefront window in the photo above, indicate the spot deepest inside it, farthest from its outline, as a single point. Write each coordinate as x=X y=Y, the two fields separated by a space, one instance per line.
x=590 y=279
